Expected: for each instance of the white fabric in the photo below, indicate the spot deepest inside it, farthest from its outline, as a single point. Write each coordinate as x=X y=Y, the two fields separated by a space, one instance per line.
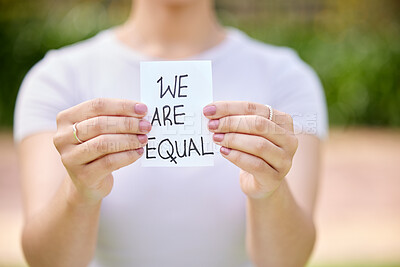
x=171 y=216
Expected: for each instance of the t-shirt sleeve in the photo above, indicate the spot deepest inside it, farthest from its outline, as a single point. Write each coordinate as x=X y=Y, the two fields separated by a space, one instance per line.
x=45 y=91
x=299 y=93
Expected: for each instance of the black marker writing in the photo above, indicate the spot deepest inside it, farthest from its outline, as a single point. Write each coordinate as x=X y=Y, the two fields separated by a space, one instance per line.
x=170 y=151
x=150 y=148
x=173 y=93
x=169 y=115
x=166 y=112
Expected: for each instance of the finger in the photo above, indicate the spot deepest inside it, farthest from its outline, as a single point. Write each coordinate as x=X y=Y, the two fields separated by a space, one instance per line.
x=249 y=163
x=254 y=145
x=96 y=126
x=102 y=106
x=284 y=120
x=250 y=124
x=113 y=162
x=221 y=109
x=264 y=178
x=105 y=144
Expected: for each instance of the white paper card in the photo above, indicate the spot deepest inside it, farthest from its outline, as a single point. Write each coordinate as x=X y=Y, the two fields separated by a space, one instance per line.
x=175 y=93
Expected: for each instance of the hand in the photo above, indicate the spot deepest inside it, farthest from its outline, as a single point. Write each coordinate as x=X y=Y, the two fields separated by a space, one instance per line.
x=113 y=135
x=263 y=149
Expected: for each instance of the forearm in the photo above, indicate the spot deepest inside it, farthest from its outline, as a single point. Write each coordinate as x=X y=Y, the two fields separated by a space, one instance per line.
x=63 y=233
x=279 y=233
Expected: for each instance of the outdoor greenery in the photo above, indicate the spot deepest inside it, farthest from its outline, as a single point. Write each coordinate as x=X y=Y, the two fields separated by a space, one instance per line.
x=353 y=45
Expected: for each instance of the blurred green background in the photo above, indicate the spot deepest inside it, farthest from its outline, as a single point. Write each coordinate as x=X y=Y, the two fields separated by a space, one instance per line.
x=353 y=45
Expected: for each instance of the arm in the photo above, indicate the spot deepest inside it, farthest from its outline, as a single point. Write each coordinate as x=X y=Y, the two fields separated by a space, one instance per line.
x=280 y=230
x=57 y=230
x=63 y=186
x=288 y=212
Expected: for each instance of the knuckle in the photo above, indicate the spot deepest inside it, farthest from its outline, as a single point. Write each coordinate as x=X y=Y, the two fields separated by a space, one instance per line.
x=293 y=143
x=224 y=123
x=86 y=147
x=103 y=143
x=129 y=124
x=91 y=146
x=229 y=124
x=260 y=124
x=225 y=107
x=126 y=106
x=60 y=117
x=261 y=146
x=250 y=107
x=280 y=118
x=230 y=139
x=57 y=140
x=97 y=105
x=133 y=141
x=98 y=124
x=285 y=163
x=108 y=162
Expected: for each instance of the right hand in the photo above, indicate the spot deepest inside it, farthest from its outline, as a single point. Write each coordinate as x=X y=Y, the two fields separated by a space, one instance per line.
x=113 y=133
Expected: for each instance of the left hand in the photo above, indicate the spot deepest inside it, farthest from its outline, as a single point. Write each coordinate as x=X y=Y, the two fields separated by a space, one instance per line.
x=263 y=149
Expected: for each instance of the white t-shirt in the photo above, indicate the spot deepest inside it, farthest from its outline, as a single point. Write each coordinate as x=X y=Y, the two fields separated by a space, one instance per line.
x=189 y=216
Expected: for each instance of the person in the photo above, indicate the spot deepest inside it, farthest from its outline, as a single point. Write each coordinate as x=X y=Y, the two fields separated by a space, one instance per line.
x=92 y=204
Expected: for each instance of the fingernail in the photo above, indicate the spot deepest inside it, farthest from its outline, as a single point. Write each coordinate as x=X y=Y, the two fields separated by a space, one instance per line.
x=140 y=151
x=218 y=137
x=209 y=110
x=144 y=126
x=213 y=124
x=140 y=108
x=225 y=150
x=142 y=138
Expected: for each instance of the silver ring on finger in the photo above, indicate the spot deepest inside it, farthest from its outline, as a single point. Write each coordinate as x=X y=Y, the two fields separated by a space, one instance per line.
x=271 y=112
x=75 y=132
